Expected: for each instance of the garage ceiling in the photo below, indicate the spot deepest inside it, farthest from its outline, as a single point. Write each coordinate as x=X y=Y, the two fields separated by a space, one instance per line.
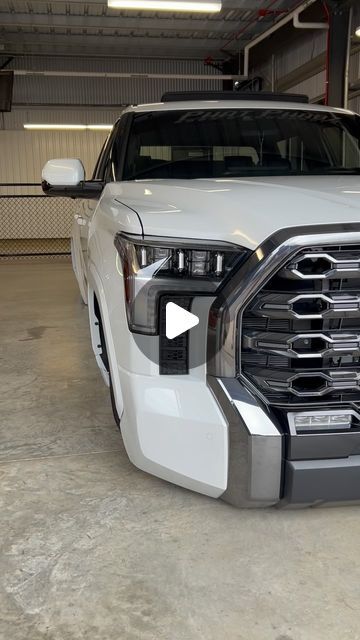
x=90 y=28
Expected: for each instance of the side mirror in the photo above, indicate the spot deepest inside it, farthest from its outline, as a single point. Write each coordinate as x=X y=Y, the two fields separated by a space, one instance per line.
x=66 y=177
x=63 y=172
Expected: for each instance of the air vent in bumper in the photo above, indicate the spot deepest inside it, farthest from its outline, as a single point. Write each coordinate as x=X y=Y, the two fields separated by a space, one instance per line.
x=173 y=354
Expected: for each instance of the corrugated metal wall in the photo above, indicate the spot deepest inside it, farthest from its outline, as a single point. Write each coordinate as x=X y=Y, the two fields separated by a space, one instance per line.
x=94 y=100
x=38 y=225
x=16 y=119
x=112 y=64
x=79 y=100
x=311 y=45
x=354 y=72
x=99 y=91
x=313 y=87
x=301 y=51
x=23 y=153
x=106 y=91
x=74 y=100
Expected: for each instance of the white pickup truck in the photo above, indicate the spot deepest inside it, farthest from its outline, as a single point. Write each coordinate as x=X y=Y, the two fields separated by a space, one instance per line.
x=237 y=216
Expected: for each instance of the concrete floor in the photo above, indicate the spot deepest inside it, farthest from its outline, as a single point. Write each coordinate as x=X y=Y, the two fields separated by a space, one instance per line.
x=92 y=548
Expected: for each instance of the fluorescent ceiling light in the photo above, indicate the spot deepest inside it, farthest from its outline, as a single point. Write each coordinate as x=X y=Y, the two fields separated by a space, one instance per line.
x=68 y=127
x=205 y=6
x=357 y=32
x=99 y=127
x=78 y=127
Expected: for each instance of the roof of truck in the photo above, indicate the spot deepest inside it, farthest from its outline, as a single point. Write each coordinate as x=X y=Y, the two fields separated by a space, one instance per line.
x=233 y=104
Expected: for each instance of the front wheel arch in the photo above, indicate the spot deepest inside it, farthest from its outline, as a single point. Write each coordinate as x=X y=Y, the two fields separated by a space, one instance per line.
x=104 y=354
x=105 y=358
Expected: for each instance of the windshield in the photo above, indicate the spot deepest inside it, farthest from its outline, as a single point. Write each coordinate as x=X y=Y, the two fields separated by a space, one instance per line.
x=214 y=143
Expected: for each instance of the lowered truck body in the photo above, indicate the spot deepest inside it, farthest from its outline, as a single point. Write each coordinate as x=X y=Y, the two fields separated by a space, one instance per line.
x=246 y=215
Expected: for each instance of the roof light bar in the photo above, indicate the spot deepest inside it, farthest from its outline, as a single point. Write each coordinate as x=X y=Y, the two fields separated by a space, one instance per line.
x=203 y=6
x=67 y=127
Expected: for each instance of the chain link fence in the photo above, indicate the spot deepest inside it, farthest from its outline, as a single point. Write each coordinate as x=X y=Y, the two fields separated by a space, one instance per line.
x=32 y=225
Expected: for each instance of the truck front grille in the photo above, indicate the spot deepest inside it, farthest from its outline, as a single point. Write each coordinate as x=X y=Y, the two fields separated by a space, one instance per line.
x=301 y=331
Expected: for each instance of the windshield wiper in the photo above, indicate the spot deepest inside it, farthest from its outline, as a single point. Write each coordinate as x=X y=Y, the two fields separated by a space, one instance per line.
x=169 y=163
x=338 y=171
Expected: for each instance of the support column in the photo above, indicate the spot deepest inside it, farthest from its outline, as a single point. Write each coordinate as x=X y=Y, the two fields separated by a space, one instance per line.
x=338 y=54
x=229 y=67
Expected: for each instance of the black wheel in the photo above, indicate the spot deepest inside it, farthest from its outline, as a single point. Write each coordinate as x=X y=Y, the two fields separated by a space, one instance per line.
x=105 y=359
x=113 y=405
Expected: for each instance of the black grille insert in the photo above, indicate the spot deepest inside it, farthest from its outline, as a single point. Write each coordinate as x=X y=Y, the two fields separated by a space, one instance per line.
x=173 y=354
x=301 y=331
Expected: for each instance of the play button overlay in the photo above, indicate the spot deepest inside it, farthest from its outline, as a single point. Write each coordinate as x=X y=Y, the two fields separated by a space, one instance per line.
x=184 y=338
x=178 y=320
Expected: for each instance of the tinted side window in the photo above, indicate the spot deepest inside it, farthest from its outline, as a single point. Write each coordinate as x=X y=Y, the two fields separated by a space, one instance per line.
x=104 y=168
x=101 y=161
x=118 y=149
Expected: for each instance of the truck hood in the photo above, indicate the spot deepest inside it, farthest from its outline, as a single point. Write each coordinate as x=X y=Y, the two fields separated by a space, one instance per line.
x=242 y=211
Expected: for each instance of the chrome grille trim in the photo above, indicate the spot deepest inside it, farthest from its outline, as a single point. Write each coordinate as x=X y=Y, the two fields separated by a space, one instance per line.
x=318 y=354
x=225 y=328
x=328 y=305
x=285 y=344
x=340 y=381
x=349 y=268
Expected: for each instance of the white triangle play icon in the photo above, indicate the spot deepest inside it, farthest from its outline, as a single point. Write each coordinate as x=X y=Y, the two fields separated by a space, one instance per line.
x=178 y=320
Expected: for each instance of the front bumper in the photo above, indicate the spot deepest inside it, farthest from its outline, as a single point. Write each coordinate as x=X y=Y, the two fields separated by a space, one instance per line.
x=173 y=428
x=270 y=467
x=215 y=438
x=311 y=482
x=257 y=380
x=255 y=447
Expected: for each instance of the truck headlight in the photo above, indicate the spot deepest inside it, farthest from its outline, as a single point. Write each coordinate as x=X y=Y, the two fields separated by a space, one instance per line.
x=156 y=266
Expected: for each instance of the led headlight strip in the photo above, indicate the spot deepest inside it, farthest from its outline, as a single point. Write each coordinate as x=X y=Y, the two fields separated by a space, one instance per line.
x=156 y=266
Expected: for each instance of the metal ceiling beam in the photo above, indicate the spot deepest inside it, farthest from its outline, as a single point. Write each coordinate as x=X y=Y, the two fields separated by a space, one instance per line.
x=85 y=45
x=120 y=23
x=122 y=74
x=101 y=55
x=124 y=51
